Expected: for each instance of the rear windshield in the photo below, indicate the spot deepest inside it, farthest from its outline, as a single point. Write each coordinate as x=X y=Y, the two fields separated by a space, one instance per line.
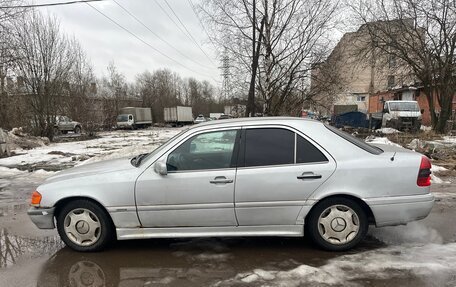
x=357 y=142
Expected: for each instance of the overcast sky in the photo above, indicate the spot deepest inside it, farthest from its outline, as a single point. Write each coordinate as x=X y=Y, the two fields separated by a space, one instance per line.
x=104 y=42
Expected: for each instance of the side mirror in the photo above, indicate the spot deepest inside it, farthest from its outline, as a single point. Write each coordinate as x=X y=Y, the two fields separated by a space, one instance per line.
x=160 y=168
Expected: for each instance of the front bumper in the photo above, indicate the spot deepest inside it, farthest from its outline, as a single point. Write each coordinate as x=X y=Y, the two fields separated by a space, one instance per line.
x=42 y=217
x=397 y=210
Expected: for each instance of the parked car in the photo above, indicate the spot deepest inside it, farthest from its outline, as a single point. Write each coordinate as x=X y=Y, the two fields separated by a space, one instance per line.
x=200 y=119
x=64 y=124
x=225 y=117
x=240 y=177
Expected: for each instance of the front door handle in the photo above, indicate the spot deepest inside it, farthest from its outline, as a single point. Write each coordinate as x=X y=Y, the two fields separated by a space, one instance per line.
x=309 y=175
x=221 y=179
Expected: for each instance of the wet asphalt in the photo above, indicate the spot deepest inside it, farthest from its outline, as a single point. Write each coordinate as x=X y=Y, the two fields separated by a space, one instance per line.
x=32 y=257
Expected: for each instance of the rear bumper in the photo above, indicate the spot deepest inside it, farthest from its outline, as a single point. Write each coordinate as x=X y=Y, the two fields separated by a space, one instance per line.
x=42 y=217
x=398 y=210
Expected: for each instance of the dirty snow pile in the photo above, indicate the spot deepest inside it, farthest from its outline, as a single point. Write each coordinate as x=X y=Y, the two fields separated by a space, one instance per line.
x=415 y=251
x=115 y=144
x=381 y=140
x=387 y=131
x=434 y=178
x=382 y=264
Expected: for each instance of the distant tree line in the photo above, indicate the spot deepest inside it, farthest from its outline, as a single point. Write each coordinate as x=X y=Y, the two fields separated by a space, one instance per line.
x=45 y=73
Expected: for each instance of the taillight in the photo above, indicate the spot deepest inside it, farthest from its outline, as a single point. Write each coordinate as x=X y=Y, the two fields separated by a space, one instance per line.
x=424 y=174
x=36 y=198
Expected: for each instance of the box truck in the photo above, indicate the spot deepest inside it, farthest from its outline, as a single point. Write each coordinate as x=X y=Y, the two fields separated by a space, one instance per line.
x=178 y=115
x=133 y=117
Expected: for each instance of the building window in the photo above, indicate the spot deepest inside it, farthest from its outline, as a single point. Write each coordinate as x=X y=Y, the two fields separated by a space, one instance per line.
x=392 y=61
x=391 y=81
x=361 y=98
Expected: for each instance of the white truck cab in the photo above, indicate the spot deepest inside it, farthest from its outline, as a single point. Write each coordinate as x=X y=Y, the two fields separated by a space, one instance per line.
x=401 y=115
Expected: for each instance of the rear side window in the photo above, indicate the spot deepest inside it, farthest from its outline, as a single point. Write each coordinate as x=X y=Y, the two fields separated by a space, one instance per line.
x=269 y=146
x=307 y=152
x=359 y=143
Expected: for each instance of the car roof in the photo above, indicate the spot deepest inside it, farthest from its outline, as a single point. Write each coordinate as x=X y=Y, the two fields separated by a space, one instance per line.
x=255 y=120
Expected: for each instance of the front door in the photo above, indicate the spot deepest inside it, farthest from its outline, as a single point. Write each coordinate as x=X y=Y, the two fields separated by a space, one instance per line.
x=278 y=170
x=199 y=187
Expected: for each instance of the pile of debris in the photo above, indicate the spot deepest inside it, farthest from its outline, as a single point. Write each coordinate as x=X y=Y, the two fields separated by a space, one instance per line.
x=442 y=151
x=18 y=139
x=4 y=147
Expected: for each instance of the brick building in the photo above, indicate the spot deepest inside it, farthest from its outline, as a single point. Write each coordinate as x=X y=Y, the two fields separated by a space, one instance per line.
x=356 y=71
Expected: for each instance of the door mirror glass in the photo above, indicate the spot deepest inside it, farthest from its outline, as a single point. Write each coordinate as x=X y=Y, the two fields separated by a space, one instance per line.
x=160 y=168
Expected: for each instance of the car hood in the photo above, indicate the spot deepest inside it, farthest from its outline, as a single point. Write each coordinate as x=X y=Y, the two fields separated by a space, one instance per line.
x=93 y=169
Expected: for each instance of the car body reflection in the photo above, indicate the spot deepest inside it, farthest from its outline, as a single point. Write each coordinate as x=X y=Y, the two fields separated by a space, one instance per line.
x=183 y=262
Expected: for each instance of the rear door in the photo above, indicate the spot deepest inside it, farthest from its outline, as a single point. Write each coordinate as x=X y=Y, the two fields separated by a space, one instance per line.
x=278 y=169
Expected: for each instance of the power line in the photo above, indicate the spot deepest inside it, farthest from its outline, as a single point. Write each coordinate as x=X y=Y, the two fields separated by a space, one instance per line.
x=188 y=34
x=49 y=4
x=144 y=42
x=201 y=22
x=156 y=35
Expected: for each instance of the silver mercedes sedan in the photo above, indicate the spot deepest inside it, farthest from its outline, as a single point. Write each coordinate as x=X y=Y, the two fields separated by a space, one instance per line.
x=241 y=177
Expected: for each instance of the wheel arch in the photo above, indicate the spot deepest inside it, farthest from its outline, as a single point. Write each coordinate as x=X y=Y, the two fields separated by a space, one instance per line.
x=366 y=208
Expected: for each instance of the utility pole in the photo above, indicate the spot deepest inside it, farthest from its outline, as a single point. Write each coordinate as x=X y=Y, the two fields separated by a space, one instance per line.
x=250 y=111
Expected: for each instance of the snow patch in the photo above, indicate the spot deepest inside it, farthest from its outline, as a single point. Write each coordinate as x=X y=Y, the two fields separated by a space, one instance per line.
x=429 y=262
x=387 y=131
x=437 y=168
x=437 y=180
x=425 y=128
x=381 y=140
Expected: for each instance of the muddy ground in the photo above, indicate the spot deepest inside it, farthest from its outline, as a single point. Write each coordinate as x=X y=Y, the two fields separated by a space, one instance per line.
x=422 y=253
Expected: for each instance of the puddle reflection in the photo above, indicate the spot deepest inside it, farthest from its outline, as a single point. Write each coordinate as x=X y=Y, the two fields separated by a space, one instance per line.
x=196 y=262
x=12 y=247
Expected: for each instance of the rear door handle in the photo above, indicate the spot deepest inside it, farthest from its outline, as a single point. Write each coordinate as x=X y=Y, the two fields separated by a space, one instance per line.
x=221 y=179
x=309 y=175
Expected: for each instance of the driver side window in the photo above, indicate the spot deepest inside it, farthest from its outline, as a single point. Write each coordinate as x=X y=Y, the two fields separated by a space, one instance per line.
x=212 y=150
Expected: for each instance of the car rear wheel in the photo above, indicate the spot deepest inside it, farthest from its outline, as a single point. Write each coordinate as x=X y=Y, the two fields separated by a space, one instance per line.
x=337 y=224
x=77 y=130
x=84 y=226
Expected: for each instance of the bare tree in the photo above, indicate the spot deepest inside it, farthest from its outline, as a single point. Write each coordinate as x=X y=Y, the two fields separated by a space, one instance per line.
x=8 y=16
x=291 y=37
x=44 y=61
x=421 y=34
x=81 y=102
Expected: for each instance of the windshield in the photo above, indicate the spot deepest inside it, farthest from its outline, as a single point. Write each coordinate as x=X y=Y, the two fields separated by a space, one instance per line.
x=404 y=106
x=157 y=150
x=122 y=118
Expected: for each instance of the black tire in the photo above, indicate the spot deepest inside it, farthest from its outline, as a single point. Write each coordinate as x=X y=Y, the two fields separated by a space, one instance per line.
x=104 y=233
x=77 y=130
x=315 y=228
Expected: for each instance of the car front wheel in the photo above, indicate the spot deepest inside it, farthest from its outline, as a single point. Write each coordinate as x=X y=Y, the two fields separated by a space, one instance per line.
x=77 y=130
x=84 y=226
x=337 y=224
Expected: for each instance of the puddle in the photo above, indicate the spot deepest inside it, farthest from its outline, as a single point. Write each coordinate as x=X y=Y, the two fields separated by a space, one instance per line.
x=15 y=248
